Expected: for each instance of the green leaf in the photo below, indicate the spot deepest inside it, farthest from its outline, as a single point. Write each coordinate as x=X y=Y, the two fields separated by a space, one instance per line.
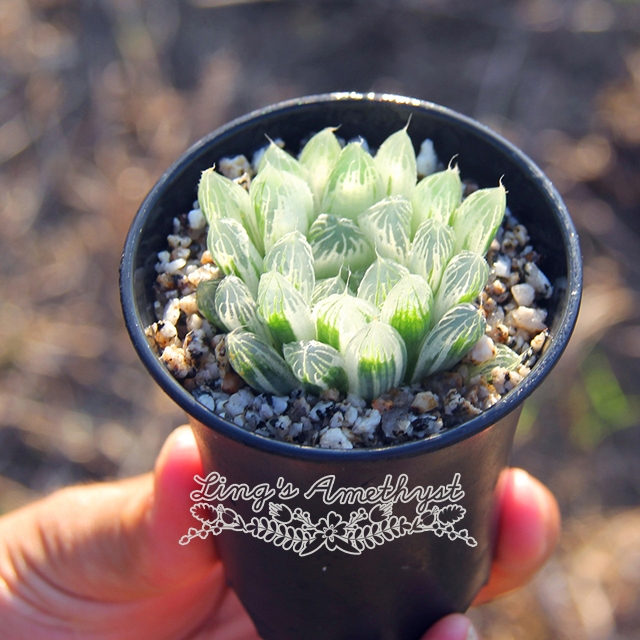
x=387 y=226
x=283 y=203
x=505 y=358
x=431 y=250
x=436 y=197
x=317 y=365
x=205 y=300
x=319 y=157
x=339 y=317
x=279 y=159
x=220 y=197
x=464 y=278
x=326 y=287
x=449 y=341
x=354 y=184
x=478 y=218
x=284 y=310
x=292 y=257
x=233 y=251
x=237 y=309
x=379 y=279
x=375 y=360
x=407 y=309
x=396 y=161
x=259 y=364
x=337 y=243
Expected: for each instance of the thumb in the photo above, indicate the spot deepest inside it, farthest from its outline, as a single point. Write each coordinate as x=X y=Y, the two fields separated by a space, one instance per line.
x=118 y=540
x=164 y=561
x=453 y=627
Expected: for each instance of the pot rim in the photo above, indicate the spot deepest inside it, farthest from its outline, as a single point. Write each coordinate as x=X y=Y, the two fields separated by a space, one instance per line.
x=438 y=441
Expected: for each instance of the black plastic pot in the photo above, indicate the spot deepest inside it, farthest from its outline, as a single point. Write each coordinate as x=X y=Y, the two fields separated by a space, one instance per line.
x=396 y=570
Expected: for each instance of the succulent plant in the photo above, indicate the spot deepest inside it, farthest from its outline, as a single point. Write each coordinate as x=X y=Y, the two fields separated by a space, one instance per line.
x=342 y=270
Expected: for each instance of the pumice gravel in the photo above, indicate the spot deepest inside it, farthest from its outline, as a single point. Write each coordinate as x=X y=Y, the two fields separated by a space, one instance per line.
x=439 y=312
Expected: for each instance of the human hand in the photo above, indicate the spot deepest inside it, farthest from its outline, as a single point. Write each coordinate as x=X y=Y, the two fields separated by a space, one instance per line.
x=102 y=561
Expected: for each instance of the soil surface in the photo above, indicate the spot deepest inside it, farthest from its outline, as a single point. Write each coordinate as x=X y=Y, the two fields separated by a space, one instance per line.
x=100 y=97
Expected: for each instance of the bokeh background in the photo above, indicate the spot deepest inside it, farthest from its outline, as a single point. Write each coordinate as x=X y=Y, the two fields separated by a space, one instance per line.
x=98 y=97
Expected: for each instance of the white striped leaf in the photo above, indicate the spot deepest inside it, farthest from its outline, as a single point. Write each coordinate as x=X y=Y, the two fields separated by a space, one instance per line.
x=431 y=250
x=478 y=218
x=375 y=360
x=319 y=157
x=337 y=243
x=292 y=257
x=462 y=281
x=205 y=300
x=220 y=197
x=317 y=365
x=449 y=341
x=396 y=161
x=236 y=308
x=408 y=310
x=379 y=279
x=232 y=250
x=387 y=226
x=354 y=184
x=283 y=161
x=505 y=358
x=437 y=196
x=326 y=287
x=283 y=203
x=339 y=317
x=284 y=310
x=259 y=364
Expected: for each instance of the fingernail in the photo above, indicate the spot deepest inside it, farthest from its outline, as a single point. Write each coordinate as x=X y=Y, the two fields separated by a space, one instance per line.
x=183 y=437
x=472 y=634
x=452 y=627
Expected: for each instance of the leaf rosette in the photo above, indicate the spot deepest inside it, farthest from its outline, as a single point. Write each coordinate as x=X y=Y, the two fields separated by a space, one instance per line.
x=342 y=271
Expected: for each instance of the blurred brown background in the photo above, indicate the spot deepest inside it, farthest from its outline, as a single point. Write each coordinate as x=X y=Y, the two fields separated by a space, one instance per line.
x=98 y=97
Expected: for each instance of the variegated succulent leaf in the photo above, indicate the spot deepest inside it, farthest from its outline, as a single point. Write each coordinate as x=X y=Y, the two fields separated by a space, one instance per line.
x=436 y=197
x=283 y=161
x=354 y=184
x=338 y=243
x=431 y=251
x=205 y=300
x=375 y=360
x=233 y=252
x=319 y=157
x=387 y=226
x=316 y=365
x=340 y=316
x=449 y=341
x=462 y=281
x=283 y=203
x=407 y=309
x=220 y=197
x=326 y=287
x=379 y=279
x=396 y=162
x=505 y=358
x=292 y=257
x=478 y=218
x=237 y=309
x=284 y=310
x=259 y=364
